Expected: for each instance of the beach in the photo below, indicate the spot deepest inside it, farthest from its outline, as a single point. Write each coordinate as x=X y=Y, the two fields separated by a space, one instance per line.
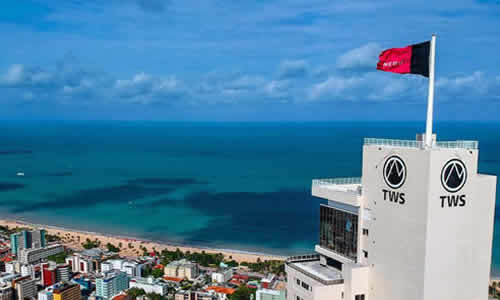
x=131 y=247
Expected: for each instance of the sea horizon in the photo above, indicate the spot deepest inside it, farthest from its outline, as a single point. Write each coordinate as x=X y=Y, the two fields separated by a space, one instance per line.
x=224 y=185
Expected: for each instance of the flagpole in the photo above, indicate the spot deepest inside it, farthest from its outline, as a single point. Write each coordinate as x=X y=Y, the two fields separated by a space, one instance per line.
x=430 y=97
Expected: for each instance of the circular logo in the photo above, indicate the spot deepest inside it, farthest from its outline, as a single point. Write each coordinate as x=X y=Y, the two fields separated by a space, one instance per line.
x=394 y=172
x=453 y=175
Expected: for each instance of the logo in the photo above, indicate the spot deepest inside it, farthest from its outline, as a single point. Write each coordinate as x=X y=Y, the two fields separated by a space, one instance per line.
x=394 y=172
x=453 y=175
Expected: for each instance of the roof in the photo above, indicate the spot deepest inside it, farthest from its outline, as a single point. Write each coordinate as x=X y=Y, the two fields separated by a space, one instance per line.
x=168 y=278
x=120 y=297
x=221 y=290
x=159 y=266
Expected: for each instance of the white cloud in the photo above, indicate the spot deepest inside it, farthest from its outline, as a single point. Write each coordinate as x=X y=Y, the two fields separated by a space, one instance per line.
x=364 y=57
x=277 y=88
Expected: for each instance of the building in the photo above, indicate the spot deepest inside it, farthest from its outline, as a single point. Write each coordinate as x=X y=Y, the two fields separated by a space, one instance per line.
x=45 y=295
x=25 y=287
x=417 y=225
x=66 y=291
x=150 y=285
x=88 y=260
x=6 y=292
x=49 y=274
x=110 y=284
x=222 y=293
x=267 y=294
x=132 y=268
x=35 y=255
x=182 y=269
x=28 y=270
x=27 y=240
x=222 y=275
x=194 y=295
x=268 y=281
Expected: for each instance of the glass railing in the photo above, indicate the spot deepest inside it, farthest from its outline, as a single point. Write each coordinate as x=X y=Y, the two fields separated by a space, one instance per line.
x=420 y=144
x=337 y=181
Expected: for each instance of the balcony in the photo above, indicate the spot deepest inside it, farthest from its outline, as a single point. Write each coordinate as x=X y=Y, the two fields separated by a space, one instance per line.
x=310 y=266
x=345 y=190
x=469 y=145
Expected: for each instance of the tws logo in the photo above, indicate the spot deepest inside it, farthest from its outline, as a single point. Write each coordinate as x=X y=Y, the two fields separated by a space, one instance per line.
x=394 y=172
x=394 y=176
x=453 y=178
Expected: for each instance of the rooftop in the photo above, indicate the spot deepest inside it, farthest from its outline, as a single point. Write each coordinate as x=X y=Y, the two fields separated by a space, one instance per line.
x=346 y=184
x=420 y=144
x=311 y=267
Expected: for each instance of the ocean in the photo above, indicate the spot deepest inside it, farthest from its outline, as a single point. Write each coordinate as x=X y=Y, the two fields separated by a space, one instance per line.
x=239 y=186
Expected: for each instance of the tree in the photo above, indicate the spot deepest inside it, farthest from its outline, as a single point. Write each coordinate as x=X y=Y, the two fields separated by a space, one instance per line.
x=135 y=292
x=157 y=273
x=242 y=293
x=88 y=244
x=112 y=247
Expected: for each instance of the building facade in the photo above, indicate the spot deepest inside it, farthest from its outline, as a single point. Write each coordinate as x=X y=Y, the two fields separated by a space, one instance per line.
x=150 y=285
x=67 y=291
x=25 y=287
x=267 y=294
x=222 y=275
x=35 y=255
x=182 y=269
x=6 y=292
x=417 y=225
x=110 y=284
x=27 y=239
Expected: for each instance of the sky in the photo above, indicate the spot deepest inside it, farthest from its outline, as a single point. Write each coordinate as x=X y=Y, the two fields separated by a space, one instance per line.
x=260 y=60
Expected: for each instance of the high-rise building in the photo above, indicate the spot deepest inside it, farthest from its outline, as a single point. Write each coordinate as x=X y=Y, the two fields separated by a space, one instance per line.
x=25 y=287
x=49 y=275
x=66 y=291
x=35 y=255
x=6 y=292
x=417 y=225
x=27 y=239
x=110 y=284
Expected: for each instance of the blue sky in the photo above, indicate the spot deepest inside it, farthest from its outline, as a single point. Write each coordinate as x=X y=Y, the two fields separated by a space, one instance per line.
x=261 y=60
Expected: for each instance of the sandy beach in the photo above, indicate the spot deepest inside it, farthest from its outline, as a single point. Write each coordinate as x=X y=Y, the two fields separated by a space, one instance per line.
x=131 y=247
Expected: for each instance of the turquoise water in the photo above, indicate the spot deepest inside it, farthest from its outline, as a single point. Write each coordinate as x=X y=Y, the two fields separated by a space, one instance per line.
x=227 y=185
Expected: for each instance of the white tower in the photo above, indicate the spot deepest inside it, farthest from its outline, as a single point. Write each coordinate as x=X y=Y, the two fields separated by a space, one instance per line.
x=418 y=225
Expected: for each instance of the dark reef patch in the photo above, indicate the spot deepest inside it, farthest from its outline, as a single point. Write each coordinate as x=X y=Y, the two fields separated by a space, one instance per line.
x=15 y=152
x=9 y=186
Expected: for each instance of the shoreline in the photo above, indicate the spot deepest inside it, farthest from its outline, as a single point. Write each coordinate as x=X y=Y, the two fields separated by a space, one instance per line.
x=73 y=238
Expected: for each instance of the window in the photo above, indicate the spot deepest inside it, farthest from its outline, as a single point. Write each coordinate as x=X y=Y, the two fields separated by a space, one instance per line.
x=298 y=298
x=298 y=281
x=359 y=297
x=365 y=253
x=305 y=285
x=339 y=231
x=365 y=231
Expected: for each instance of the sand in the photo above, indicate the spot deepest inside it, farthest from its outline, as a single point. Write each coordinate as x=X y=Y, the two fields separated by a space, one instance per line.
x=131 y=247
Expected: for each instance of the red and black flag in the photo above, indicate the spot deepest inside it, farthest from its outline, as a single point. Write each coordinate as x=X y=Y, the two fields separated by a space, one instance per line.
x=412 y=59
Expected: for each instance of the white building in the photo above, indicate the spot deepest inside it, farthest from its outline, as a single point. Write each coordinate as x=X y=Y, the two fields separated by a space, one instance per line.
x=222 y=275
x=268 y=294
x=182 y=269
x=27 y=270
x=45 y=295
x=132 y=268
x=110 y=284
x=25 y=288
x=34 y=255
x=150 y=285
x=417 y=225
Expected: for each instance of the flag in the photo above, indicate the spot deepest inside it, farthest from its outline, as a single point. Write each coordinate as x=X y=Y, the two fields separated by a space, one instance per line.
x=412 y=59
